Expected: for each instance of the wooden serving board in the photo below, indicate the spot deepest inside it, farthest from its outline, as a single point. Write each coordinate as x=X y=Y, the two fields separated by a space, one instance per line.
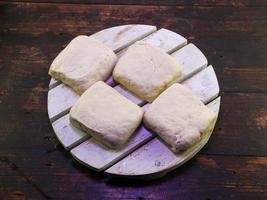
x=145 y=156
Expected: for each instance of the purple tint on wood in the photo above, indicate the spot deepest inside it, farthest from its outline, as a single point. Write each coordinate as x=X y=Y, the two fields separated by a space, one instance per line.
x=99 y=157
x=110 y=81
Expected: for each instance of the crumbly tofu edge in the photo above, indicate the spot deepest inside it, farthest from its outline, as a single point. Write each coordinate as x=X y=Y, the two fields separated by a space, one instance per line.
x=171 y=139
x=111 y=142
x=74 y=84
x=152 y=95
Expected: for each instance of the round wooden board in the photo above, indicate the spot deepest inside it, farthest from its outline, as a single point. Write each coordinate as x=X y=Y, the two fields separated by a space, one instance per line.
x=145 y=156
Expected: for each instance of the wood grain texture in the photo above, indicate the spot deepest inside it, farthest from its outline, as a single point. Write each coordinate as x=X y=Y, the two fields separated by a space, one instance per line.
x=235 y=3
x=242 y=115
x=84 y=19
x=60 y=99
x=224 y=46
x=232 y=34
x=204 y=84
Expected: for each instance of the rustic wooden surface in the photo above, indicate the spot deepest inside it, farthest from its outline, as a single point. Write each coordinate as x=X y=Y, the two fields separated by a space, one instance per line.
x=232 y=35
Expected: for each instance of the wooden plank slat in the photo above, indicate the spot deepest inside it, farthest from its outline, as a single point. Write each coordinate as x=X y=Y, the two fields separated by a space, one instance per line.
x=54 y=113
x=94 y=155
x=166 y=40
x=48 y=18
x=60 y=99
x=98 y=157
x=68 y=135
x=182 y=3
x=53 y=83
x=191 y=60
x=155 y=159
x=129 y=95
x=203 y=80
x=119 y=37
x=110 y=81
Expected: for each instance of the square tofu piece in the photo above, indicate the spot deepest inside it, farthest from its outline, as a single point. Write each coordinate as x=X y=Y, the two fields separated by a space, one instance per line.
x=179 y=117
x=83 y=62
x=146 y=70
x=106 y=115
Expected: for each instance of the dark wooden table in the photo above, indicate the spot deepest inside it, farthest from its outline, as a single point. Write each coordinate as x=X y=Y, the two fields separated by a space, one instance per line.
x=233 y=36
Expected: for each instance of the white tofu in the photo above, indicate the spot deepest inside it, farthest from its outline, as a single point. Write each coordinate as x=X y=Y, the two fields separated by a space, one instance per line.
x=146 y=70
x=179 y=117
x=106 y=115
x=83 y=62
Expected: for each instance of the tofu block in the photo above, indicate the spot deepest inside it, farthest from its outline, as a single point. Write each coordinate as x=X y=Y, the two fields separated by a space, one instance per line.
x=179 y=118
x=106 y=115
x=146 y=70
x=83 y=62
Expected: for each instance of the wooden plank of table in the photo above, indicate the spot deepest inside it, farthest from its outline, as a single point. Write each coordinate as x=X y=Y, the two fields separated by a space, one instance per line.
x=241 y=115
x=209 y=176
x=223 y=47
x=237 y=73
x=245 y=136
x=86 y=20
x=219 y=3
